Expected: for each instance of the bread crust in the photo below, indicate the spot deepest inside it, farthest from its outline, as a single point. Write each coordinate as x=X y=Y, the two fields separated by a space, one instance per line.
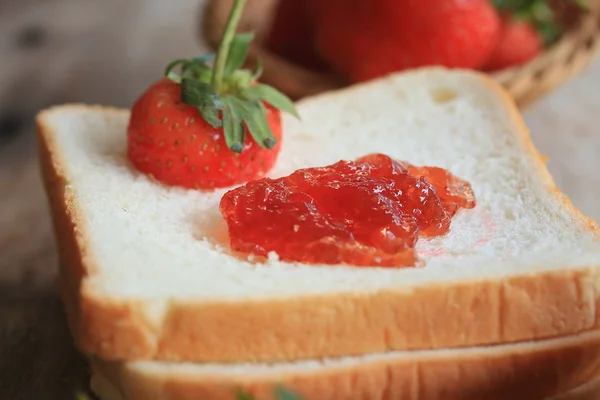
x=524 y=371
x=523 y=307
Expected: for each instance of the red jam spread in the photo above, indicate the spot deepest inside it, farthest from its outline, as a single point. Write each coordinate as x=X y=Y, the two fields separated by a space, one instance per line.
x=368 y=212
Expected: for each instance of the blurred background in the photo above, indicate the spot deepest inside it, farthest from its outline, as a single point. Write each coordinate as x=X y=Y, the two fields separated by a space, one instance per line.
x=56 y=51
x=107 y=52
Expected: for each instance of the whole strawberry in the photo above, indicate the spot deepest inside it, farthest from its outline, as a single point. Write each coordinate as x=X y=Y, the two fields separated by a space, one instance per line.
x=171 y=141
x=519 y=42
x=528 y=26
x=365 y=39
x=211 y=126
x=291 y=35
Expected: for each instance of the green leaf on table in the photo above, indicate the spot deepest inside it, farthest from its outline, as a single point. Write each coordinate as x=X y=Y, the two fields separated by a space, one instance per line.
x=280 y=394
x=240 y=395
x=284 y=394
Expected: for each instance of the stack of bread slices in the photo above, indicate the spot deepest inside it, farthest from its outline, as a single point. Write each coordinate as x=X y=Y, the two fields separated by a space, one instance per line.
x=504 y=307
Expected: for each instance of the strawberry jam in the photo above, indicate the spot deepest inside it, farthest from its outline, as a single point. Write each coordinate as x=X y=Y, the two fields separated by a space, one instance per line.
x=368 y=212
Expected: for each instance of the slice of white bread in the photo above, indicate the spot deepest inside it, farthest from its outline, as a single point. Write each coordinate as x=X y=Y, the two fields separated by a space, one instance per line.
x=528 y=371
x=146 y=272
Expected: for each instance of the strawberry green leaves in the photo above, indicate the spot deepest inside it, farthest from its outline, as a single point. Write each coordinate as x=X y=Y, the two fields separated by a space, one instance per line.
x=252 y=114
x=512 y=5
x=271 y=96
x=232 y=125
x=258 y=71
x=233 y=111
x=196 y=68
x=256 y=121
x=226 y=40
x=211 y=115
x=199 y=94
x=226 y=95
x=237 y=52
x=540 y=14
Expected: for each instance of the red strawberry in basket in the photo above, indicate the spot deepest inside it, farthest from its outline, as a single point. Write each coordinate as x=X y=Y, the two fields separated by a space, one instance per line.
x=292 y=34
x=528 y=26
x=519 y=43
x=364 y=39
x=212 y=126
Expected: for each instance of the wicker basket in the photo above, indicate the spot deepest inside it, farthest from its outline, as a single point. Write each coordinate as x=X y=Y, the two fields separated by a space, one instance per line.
x=565 y=59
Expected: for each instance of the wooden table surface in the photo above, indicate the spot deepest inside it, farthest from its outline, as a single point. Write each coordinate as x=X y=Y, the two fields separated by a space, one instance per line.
x=55 y=51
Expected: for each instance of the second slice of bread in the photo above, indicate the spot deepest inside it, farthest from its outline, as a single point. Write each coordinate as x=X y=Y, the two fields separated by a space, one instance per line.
x=146 y=272
x=528 y=371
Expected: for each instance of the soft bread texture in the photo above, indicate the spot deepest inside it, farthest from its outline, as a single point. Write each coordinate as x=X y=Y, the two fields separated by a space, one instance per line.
x=528 y=371
x=146 y=272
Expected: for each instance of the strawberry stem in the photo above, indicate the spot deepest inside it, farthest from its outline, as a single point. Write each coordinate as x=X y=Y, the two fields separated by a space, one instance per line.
x=228 y=34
